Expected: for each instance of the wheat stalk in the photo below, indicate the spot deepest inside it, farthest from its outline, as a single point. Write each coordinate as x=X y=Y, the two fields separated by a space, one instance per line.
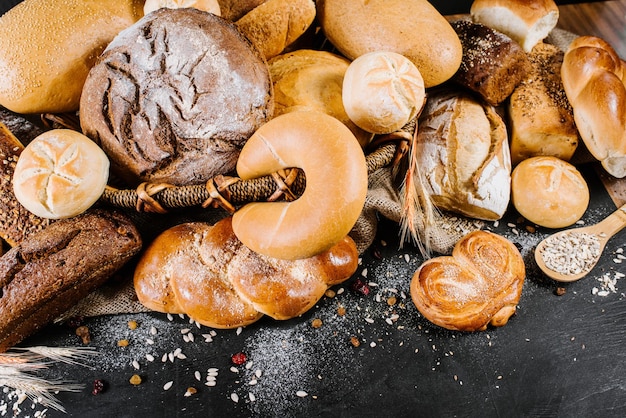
x=17 y=365
x=418 y=217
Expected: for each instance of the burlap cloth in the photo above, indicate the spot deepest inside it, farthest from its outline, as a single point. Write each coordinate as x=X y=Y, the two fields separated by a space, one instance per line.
x=118 y=295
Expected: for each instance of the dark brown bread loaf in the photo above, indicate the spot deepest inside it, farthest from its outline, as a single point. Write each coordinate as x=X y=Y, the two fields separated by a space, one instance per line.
x=16 y=222
x=492 y=64
x=50 y=271
x=174 y=97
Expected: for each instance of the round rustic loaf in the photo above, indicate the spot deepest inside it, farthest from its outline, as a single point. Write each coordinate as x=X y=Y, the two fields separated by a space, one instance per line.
x=413 y=28
x=174 y=97
x=549 y=191
x=48 y=47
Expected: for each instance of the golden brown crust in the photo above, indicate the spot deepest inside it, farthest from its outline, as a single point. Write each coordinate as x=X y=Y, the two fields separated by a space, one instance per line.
x=276 y=24
x=336 y=173
x=356 y=27
x=45 y=62
x=540 y=115
x=207 y=273
x=308 y=79
x=479 y=284
x=549 y=192
x=594 y=81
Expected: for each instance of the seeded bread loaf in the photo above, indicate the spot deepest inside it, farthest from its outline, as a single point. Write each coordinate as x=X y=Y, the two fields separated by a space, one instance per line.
x=50 y=271
x=541 y=119
x=492 y=64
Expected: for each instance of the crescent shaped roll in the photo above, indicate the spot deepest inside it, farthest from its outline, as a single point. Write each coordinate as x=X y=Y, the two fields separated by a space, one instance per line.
x=336 y=185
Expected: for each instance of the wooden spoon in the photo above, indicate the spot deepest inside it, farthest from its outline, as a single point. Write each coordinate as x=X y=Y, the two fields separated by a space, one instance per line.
x=577 y=246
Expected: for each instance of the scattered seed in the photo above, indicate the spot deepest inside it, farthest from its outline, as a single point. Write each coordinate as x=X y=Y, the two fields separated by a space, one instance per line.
x=301 y=394
x=135 y=380
x=316 y=323
x=122 y=343
x=168 y=385
x=132 y=324
x=234 y=397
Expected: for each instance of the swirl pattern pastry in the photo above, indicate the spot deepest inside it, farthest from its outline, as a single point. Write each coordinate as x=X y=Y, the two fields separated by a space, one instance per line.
x=478 y=285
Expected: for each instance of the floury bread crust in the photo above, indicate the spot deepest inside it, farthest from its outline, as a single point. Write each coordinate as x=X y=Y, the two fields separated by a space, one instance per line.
x=463 y=153
x=50 y=271
x=480 y=284
x=174 y=98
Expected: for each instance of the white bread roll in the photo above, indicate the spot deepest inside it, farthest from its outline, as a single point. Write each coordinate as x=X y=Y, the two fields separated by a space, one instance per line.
x=549 y=192
x=413 y=28
x=307 y=79
x=211 y=6
x=382 y=91
x=463 y=153
x=336 y=185
x=48 y=47
x=541 y=119
x=60 y=174
x=594 y=80
x=526 y=21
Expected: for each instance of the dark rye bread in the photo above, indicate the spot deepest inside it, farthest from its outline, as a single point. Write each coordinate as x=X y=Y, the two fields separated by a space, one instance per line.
x=16 y=222
x=174 y=97
x=50 y=271
x=492 y=64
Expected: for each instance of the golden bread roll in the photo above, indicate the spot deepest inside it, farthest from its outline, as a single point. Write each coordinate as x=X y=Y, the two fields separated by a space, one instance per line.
x=526 y=21
x=412 y=28
x=541 y=119
x=16 y=222
x=336 y=185
x=462 y=150
x=211 y=6
x=595 y=83
x=60 y=174
x=382 y=91
x=48 y=47
x=307 y=79
x=549 y=192
x=492 y=64
x=480 y=284
x=276 y=24
x=207 y=273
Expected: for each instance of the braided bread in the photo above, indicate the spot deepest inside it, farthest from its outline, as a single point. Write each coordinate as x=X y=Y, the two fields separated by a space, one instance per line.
x=205 y=272
x=594 y=81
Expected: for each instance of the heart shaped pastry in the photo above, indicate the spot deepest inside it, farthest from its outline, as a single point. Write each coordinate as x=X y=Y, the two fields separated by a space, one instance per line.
x=479 y=284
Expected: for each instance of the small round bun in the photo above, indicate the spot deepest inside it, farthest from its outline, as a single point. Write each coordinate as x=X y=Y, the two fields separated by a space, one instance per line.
x=60 y=174
x=549 y=192
x=382 y=91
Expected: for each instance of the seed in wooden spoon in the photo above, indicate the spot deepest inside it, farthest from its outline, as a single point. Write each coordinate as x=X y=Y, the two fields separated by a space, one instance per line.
x=571 y=253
